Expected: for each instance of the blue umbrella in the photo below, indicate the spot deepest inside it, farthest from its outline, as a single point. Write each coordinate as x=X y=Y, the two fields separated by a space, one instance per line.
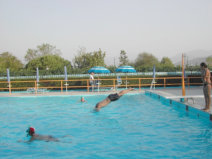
x=154 y=71
x=126 y=69
x=37 y=74
x=66 y=77
x=8 y=75
x=37 y=78
x=99 y=69
x=8 y=79
x=65 y=72
x=153 y=80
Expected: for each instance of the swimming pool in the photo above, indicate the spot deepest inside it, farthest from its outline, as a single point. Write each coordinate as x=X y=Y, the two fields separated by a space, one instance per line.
x=136 y=126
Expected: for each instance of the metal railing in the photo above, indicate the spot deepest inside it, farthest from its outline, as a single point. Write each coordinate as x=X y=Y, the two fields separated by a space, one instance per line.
x=63 y=85
x=188 y=73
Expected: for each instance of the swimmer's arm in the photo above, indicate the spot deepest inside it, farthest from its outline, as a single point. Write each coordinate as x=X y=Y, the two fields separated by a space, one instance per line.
x=207 y=74
x=102 y=104
x=203 y=74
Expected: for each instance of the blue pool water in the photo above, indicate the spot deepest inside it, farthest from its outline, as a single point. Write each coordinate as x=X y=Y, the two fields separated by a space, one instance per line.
x=136 y=126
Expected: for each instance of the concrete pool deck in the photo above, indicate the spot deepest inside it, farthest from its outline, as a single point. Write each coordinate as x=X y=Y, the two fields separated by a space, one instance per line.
x=194 y=94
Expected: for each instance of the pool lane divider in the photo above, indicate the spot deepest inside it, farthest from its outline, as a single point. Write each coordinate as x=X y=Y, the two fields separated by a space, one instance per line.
x=187 y=108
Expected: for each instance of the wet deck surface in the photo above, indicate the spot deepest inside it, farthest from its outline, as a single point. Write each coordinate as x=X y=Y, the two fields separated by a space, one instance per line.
x=196 y=98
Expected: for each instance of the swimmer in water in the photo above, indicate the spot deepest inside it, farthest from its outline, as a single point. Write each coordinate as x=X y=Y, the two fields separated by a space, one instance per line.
x=31 y=132
x=83 y=99
x=111 y=98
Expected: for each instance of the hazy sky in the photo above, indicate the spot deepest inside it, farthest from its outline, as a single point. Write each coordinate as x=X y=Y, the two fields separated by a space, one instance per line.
x=160 y=27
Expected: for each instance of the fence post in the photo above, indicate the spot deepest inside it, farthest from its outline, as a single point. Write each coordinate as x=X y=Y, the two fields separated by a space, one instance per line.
x=61 y=87
x=114 y=84
x=188 y=82
x=36 y=88
x=9 y=87
x=87 y=85
x=139 y=84
x=164 y=82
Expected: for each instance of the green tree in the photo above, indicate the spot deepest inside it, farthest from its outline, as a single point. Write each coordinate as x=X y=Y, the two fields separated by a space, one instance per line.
x=84 y=61
x=145 y=61
x=112 y=68
x=80 y=60
x=31 y=54
x=42 y=50
x=123 y=59
x=97 y=58
x=7 y=60
x=209 y=61
x=49 y=64
x=166 y=65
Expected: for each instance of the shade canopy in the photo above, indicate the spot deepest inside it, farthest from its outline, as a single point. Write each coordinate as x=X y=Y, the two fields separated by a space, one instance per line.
x=99 y=69
x=126 y=69
x=65 y=72
x=154 y=71
x=8 y=75
x=37 y=74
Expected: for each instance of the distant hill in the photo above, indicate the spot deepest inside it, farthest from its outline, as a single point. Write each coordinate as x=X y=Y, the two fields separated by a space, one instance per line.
x=194 y=57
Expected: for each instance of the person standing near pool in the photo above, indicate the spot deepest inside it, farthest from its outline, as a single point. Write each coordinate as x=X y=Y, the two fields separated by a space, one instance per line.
x=91 y=80
x=206 y=78
x=111 y=98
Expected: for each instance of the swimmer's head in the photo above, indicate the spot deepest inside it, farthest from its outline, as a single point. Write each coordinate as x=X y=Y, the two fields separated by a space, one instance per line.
x=30 y=131
x=97 y=107
x=82 y=99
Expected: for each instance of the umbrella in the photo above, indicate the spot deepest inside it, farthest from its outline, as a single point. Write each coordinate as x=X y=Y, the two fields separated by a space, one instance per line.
x=98 y=69
x=8 y=79
x=126 y=69
x=8 y=75
x=65 y=72
x=66 y=76
x=154 y=71
x=37 y=74
x=37 y=78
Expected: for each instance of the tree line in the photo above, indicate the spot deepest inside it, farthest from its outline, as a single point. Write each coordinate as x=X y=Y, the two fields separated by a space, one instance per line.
x=49 y=61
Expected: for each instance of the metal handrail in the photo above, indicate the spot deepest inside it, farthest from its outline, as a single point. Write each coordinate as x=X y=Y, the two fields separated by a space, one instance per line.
x=100 y=75
x=127 y=82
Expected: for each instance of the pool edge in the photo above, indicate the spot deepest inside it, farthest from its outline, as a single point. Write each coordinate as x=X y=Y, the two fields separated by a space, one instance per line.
x=185 y=107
